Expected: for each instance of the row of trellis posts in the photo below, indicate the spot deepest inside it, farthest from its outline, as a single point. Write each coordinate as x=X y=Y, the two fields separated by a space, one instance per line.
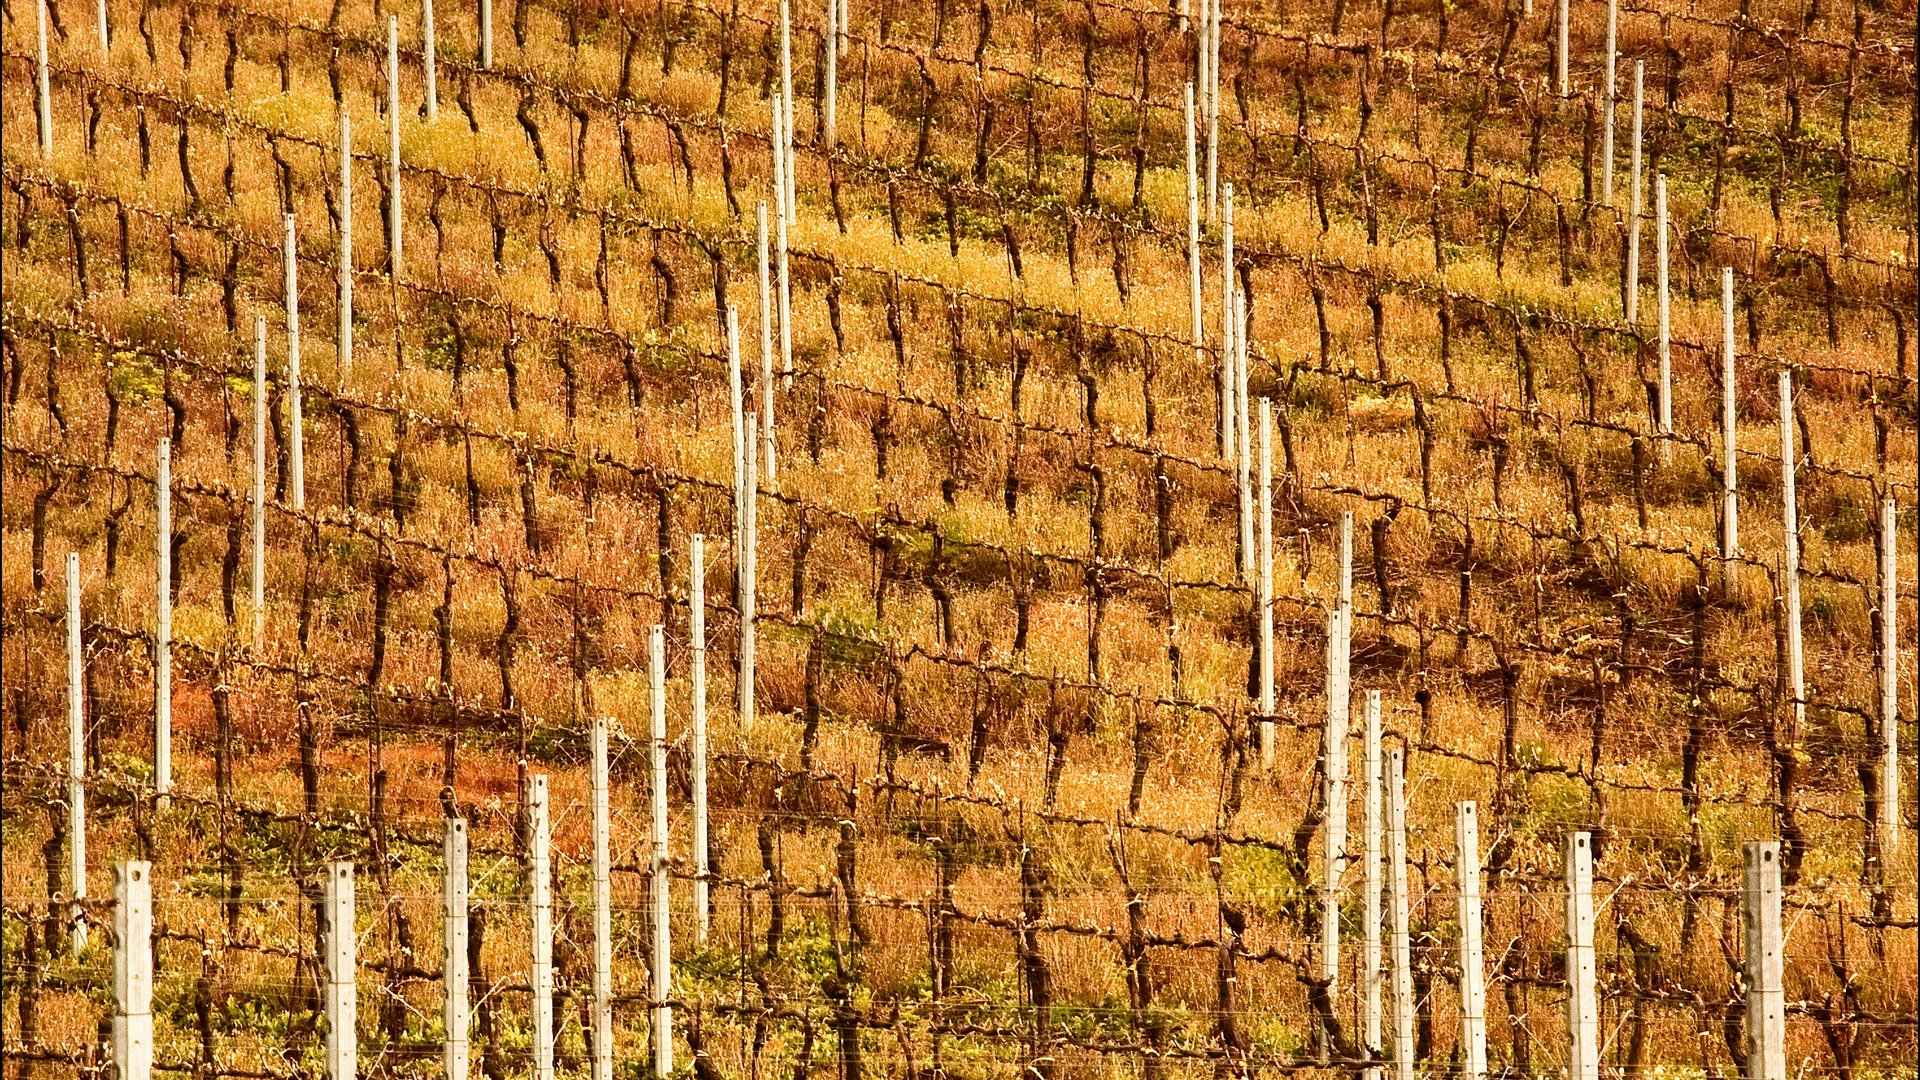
x=1386 y=971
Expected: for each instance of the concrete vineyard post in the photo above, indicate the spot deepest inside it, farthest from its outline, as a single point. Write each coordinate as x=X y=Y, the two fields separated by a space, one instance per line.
x=1202 y=41
x=1399 y=934
x=1334 y=751
x=786 y=107
x=163 y=624
x=296 y=454
x=1473 y=971
x=602 y=1003
x=1664 y=311
x=43 y=89
x=697 y=617
x=341 y=1004
x=1243 y=454
x=830 y=47
x=1631 y=286
x=1265 y=596
x=1583 y=997
x=1765 y=965
x=345 y=268
x=1343 y=650
x=1606 y=138
x=427 y=62
x=258 y=583
x=1790 y=563
x=662 y=1011
x=76 y=760
x=1213 y=109
x=393 y=147
x=1889 y=680
x=1729 y=453
x=783 y=213
x=745 y=496
x=486 y=34
x=1370 y=883
x=540 y=901
x=133 y=969
x=106 y=36
x=766 y=349
x=453 y=923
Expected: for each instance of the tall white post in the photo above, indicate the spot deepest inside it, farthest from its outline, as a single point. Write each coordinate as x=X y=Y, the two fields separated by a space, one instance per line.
x=1473 y=970
x=766 y=339
x=1632 y=290
x=393 y=145
x=1229 y=356
x=540 y=899
x=428 y=65
x=697 y=617
x=163 y=623
x=453 y=923
x=1213 y=109
x=1265 y=596
x=345 y=269
x=783 y=214
x=106 y=36
x=1560 y=58
x=1790 y=567
x=1370 y=882
x=1606 y=146
x=486 y=34
x=43 y=100
x=133 y=969
x=1401 y=938
x=1583 y=997
x=1729 y=451
x=1889 y=681
x=1243 y=456
x=76 y=759
x=1343 y=652
x=295 y=453
x=1766 y=966
x=830 y=46
x=1660 y=288
x=1334 y=753
x=1193 y=277
x=602 y=1005
x=786 y=102
x=259 y=578
x=662 y=941
x=342 y=1007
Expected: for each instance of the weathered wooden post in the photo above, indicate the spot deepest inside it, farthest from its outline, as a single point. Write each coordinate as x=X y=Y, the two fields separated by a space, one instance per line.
x=1766 y=966
x=1265 y=596
x=259 y=580
x=1243 y=454
x=1401 y=938
x=830 y=46
x=1193 y=279
x=163 y=624
x=1583 y=999
x=133 y=970
x=1632 y=283
x=1560 y=55
x=1889 y=681
x=766 y=336
x=1790 y=565
x=697 y=616
x=786 y=106
x=602 y=1004
x=453 y=924
x=540 y=900
x=1665 y=418
x=662 y=1012
x=783 y=215
x=1729 y=446
x=345 y=247
x=341 y=1004
x=1229 y=356
x=428 y=65
x=745 y=497
x=486 y=35
x=1213 y=107
x=1334 y=753
x=43 y=88
x=76 y=760
x=296 y=454
x=1473 y=970
x=1606 y=145
x=1370 y=883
